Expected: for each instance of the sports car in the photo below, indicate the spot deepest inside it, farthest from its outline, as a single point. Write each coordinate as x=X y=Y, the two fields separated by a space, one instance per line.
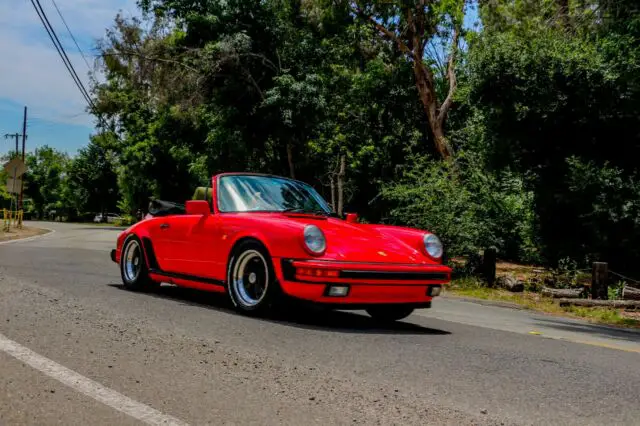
x=263 y=239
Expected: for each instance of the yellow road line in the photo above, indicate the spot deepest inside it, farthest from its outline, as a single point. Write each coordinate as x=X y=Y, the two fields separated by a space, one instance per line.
x=599 y=344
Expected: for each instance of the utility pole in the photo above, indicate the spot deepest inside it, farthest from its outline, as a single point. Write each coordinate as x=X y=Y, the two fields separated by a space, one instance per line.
x=24 y=142
x=14 y=135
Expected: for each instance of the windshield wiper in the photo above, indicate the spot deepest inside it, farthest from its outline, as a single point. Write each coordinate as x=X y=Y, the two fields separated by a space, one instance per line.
x=302 y=210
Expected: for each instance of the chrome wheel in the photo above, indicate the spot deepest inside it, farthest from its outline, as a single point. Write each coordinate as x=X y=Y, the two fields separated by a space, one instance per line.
x=132 y=262
x=250 y=278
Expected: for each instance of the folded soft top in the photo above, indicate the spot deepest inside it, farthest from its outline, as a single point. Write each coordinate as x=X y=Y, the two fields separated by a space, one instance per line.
x=165 y=208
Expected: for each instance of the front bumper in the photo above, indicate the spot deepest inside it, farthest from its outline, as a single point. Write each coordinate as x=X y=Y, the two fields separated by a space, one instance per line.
x=113 y=256
x=366 y=284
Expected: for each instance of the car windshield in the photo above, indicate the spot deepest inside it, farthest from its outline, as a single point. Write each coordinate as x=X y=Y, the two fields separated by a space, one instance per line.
x=244 y=193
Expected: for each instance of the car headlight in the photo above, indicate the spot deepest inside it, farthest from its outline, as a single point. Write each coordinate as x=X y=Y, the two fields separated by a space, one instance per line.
x=433 y=246
x=314 y=239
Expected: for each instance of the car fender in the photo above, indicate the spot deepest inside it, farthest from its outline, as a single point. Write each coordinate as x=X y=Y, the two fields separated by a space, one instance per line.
x=410 y=236
x=250 y=234
x=140 y=231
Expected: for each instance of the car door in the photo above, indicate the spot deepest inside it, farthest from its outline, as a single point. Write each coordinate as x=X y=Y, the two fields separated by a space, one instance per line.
x=185 y=244
x=201 y=240
x=168 y=240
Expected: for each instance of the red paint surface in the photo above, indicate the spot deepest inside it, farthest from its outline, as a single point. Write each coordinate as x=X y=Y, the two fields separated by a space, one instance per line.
x=200 y=245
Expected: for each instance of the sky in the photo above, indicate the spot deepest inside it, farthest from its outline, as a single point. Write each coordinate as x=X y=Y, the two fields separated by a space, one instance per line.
x=33 y=75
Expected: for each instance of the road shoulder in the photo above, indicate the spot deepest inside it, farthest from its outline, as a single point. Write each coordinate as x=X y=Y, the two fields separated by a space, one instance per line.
x=27 y=232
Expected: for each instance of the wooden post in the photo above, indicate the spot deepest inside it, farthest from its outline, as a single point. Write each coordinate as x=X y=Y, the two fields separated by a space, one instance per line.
x=600 y=281
x=489 y=265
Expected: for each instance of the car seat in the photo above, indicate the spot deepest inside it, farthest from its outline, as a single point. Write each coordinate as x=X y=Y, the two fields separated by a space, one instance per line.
x=203 y=193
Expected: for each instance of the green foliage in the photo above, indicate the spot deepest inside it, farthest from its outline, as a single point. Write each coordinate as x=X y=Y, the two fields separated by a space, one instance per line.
x=44 y=180
x=560 y=109
x=469 y=209
x=91 y=182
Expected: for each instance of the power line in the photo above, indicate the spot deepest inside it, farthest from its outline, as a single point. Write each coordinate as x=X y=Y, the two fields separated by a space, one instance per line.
x=63 y=55
x=71 y=34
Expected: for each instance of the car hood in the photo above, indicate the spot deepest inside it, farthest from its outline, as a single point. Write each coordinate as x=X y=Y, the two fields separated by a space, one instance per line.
x=353 y=242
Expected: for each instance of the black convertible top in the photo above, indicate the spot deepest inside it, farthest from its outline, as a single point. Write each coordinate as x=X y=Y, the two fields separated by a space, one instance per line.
x=165 y=208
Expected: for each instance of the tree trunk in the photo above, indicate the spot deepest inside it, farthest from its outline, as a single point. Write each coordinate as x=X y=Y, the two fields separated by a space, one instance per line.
x=426 y=91
x=333 y=192
x=630 y=293
x=592 y=303
x=292 y=171
x=341 y=173
x=557 y=293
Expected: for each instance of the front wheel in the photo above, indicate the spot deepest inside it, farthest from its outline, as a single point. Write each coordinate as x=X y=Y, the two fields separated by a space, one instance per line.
x=251 y=280
x=389 y=313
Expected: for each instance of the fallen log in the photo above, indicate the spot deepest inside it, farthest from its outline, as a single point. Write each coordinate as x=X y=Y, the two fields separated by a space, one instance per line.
x=630 y=293
x=557 y=293
x=510 y=283
x=594 y=303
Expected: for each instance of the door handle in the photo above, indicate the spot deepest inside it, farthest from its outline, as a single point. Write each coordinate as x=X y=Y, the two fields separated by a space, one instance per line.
x=164 y=226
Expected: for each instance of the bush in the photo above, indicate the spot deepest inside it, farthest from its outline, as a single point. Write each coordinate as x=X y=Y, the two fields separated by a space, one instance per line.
x=126 y=220
x=467 y=208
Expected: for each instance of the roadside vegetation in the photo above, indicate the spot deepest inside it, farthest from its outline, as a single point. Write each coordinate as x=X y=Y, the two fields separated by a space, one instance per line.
x=511 y=124
x=532 y=296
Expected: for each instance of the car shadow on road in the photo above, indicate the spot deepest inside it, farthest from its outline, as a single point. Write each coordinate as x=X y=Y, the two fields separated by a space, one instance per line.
x=591 y=329
x=296 y=315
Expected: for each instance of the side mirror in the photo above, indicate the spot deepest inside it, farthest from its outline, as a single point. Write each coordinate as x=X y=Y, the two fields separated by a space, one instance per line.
x=199 y=207
x=352 y=217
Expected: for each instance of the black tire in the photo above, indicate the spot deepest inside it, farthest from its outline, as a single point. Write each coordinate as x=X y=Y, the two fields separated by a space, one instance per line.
x=252 y=262
x=135 y=274
x=389 y=313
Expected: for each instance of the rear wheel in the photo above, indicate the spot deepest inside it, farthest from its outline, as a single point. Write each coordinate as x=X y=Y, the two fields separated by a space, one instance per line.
x=251 y=280
x=389 y=313
x=133 y=266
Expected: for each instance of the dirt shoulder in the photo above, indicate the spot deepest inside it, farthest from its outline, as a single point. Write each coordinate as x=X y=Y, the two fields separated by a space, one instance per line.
x=25 y=232
x=533 y=301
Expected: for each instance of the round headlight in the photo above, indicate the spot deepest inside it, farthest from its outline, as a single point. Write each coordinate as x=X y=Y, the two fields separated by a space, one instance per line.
x=433 y=246
x=314 y=239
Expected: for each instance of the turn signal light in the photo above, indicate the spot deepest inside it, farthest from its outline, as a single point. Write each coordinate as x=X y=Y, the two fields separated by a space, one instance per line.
x=320 y=273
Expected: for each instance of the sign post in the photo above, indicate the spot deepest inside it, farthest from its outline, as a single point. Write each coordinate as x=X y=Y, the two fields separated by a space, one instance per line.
x=15 y=168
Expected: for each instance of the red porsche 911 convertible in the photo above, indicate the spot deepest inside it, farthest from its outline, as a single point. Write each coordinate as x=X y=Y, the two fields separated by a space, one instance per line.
x=262 y=238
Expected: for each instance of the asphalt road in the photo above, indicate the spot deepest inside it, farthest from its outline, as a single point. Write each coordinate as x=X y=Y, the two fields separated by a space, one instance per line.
x=75 y=348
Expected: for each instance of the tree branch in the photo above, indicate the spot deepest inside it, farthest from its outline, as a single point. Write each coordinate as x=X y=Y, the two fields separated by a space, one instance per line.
x=451 y=76
x=381 y=28
x=148 y=58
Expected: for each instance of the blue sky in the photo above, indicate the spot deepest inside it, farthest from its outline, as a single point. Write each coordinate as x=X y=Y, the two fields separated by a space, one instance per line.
x=32 y=74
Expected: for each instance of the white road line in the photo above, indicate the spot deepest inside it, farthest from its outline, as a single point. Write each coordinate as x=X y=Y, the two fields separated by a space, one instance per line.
x=87 y=386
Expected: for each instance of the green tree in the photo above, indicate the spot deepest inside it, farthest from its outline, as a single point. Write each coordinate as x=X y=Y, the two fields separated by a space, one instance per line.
x=92 y=181
x=552 y=87
x=44 y=180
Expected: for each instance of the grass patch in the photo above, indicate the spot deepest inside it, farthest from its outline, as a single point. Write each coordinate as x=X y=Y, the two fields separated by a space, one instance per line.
x=472 y=288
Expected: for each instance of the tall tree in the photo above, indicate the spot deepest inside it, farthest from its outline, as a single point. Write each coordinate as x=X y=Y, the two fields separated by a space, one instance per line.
x=411 y=26
x=92 y=182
